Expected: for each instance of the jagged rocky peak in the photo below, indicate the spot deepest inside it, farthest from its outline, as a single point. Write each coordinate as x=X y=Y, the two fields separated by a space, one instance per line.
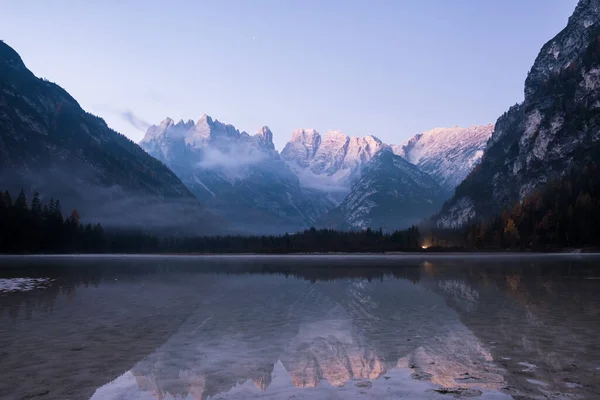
x=563 y=50
x=167 y=122
x=330 y=162
x=170 y=123
x=182 y=124
x=447 y=154
x=362 y=149
x=555 y=128
x=206 y=130
x=167 y=129
x=306 y=136
x=265 y=137
x=302 y=147
x=336 y=136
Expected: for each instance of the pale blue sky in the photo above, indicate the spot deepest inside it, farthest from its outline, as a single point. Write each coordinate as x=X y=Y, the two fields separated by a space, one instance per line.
x=388 y=68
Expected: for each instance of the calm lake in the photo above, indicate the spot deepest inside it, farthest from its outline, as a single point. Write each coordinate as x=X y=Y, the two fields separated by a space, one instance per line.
x=292 y=327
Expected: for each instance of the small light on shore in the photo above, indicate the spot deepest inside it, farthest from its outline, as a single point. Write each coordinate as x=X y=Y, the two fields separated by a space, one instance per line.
x=423 y=247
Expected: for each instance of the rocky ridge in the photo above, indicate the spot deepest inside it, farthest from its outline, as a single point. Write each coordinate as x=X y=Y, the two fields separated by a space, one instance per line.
x=556 y=127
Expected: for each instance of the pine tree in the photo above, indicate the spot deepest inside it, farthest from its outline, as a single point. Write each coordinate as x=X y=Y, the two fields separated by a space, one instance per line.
x=7 y=199
x=50 y=209
x=57 y=211
x=21 y=201
x=3 y=201
x=36 y=206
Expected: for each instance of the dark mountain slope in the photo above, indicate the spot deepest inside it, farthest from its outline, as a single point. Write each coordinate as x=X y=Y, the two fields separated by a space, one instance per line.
x=49 y=144
x=390 y=194
x=554 y=129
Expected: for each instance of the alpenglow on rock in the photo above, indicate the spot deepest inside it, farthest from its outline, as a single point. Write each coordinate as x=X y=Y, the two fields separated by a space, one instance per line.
x=390 y=194
x=329 y=163
x=239 y=177
x=447 y=154
x=555 y=128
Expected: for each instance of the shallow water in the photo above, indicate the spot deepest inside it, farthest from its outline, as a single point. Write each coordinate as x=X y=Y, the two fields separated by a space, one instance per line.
x=435 y=327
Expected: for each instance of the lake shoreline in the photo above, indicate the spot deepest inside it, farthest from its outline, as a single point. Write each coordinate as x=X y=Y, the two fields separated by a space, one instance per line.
x=421 y=254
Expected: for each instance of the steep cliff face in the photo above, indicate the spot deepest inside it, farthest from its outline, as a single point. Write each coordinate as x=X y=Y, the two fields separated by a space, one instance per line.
x=49 y=144
x=329 y=163
x=390 y=194
x=239 y=177
x=447 y=154
x=556 y=127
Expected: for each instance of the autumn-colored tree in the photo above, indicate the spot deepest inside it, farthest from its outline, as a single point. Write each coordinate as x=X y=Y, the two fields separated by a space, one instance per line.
x=517 y=213
x=511 y=232
x=75 y=217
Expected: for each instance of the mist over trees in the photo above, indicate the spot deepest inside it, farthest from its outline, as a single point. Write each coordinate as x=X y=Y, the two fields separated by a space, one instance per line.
x=563 y=214
x=41 y=228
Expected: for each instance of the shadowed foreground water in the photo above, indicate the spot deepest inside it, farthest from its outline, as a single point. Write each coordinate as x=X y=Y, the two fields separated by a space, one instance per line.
x=437 y=327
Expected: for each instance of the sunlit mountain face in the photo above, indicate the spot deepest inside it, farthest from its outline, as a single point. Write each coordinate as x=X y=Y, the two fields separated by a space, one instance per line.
x=270 y=327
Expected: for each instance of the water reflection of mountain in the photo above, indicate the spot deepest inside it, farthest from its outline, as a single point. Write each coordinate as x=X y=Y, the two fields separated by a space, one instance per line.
x=327 y=332
x=540 y=320
x=196 y=329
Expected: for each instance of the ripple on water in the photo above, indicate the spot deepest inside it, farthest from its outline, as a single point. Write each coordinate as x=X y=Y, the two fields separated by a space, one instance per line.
x=8 y=285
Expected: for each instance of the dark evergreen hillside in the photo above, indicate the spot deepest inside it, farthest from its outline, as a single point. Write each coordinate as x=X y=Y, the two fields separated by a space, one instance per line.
x=565 y=213
x=552 y=131
x=49 y=144
x=41 y=228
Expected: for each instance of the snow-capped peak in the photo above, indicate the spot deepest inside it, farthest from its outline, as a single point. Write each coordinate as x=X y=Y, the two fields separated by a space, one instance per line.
x=331 y=162
x=335 y=135
x=447 y=154
x=207 y=132
x=308 y=136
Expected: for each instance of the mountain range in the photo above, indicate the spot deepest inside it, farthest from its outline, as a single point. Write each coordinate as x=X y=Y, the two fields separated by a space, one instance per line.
x=334 y=180
x=236 y=176
x=208 y=176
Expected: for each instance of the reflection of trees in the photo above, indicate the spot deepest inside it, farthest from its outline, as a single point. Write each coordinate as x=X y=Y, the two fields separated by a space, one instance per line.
x=71 y=272
x=542 y=312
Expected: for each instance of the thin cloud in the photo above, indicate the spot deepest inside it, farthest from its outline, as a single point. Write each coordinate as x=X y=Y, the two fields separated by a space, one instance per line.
x=134 y=120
